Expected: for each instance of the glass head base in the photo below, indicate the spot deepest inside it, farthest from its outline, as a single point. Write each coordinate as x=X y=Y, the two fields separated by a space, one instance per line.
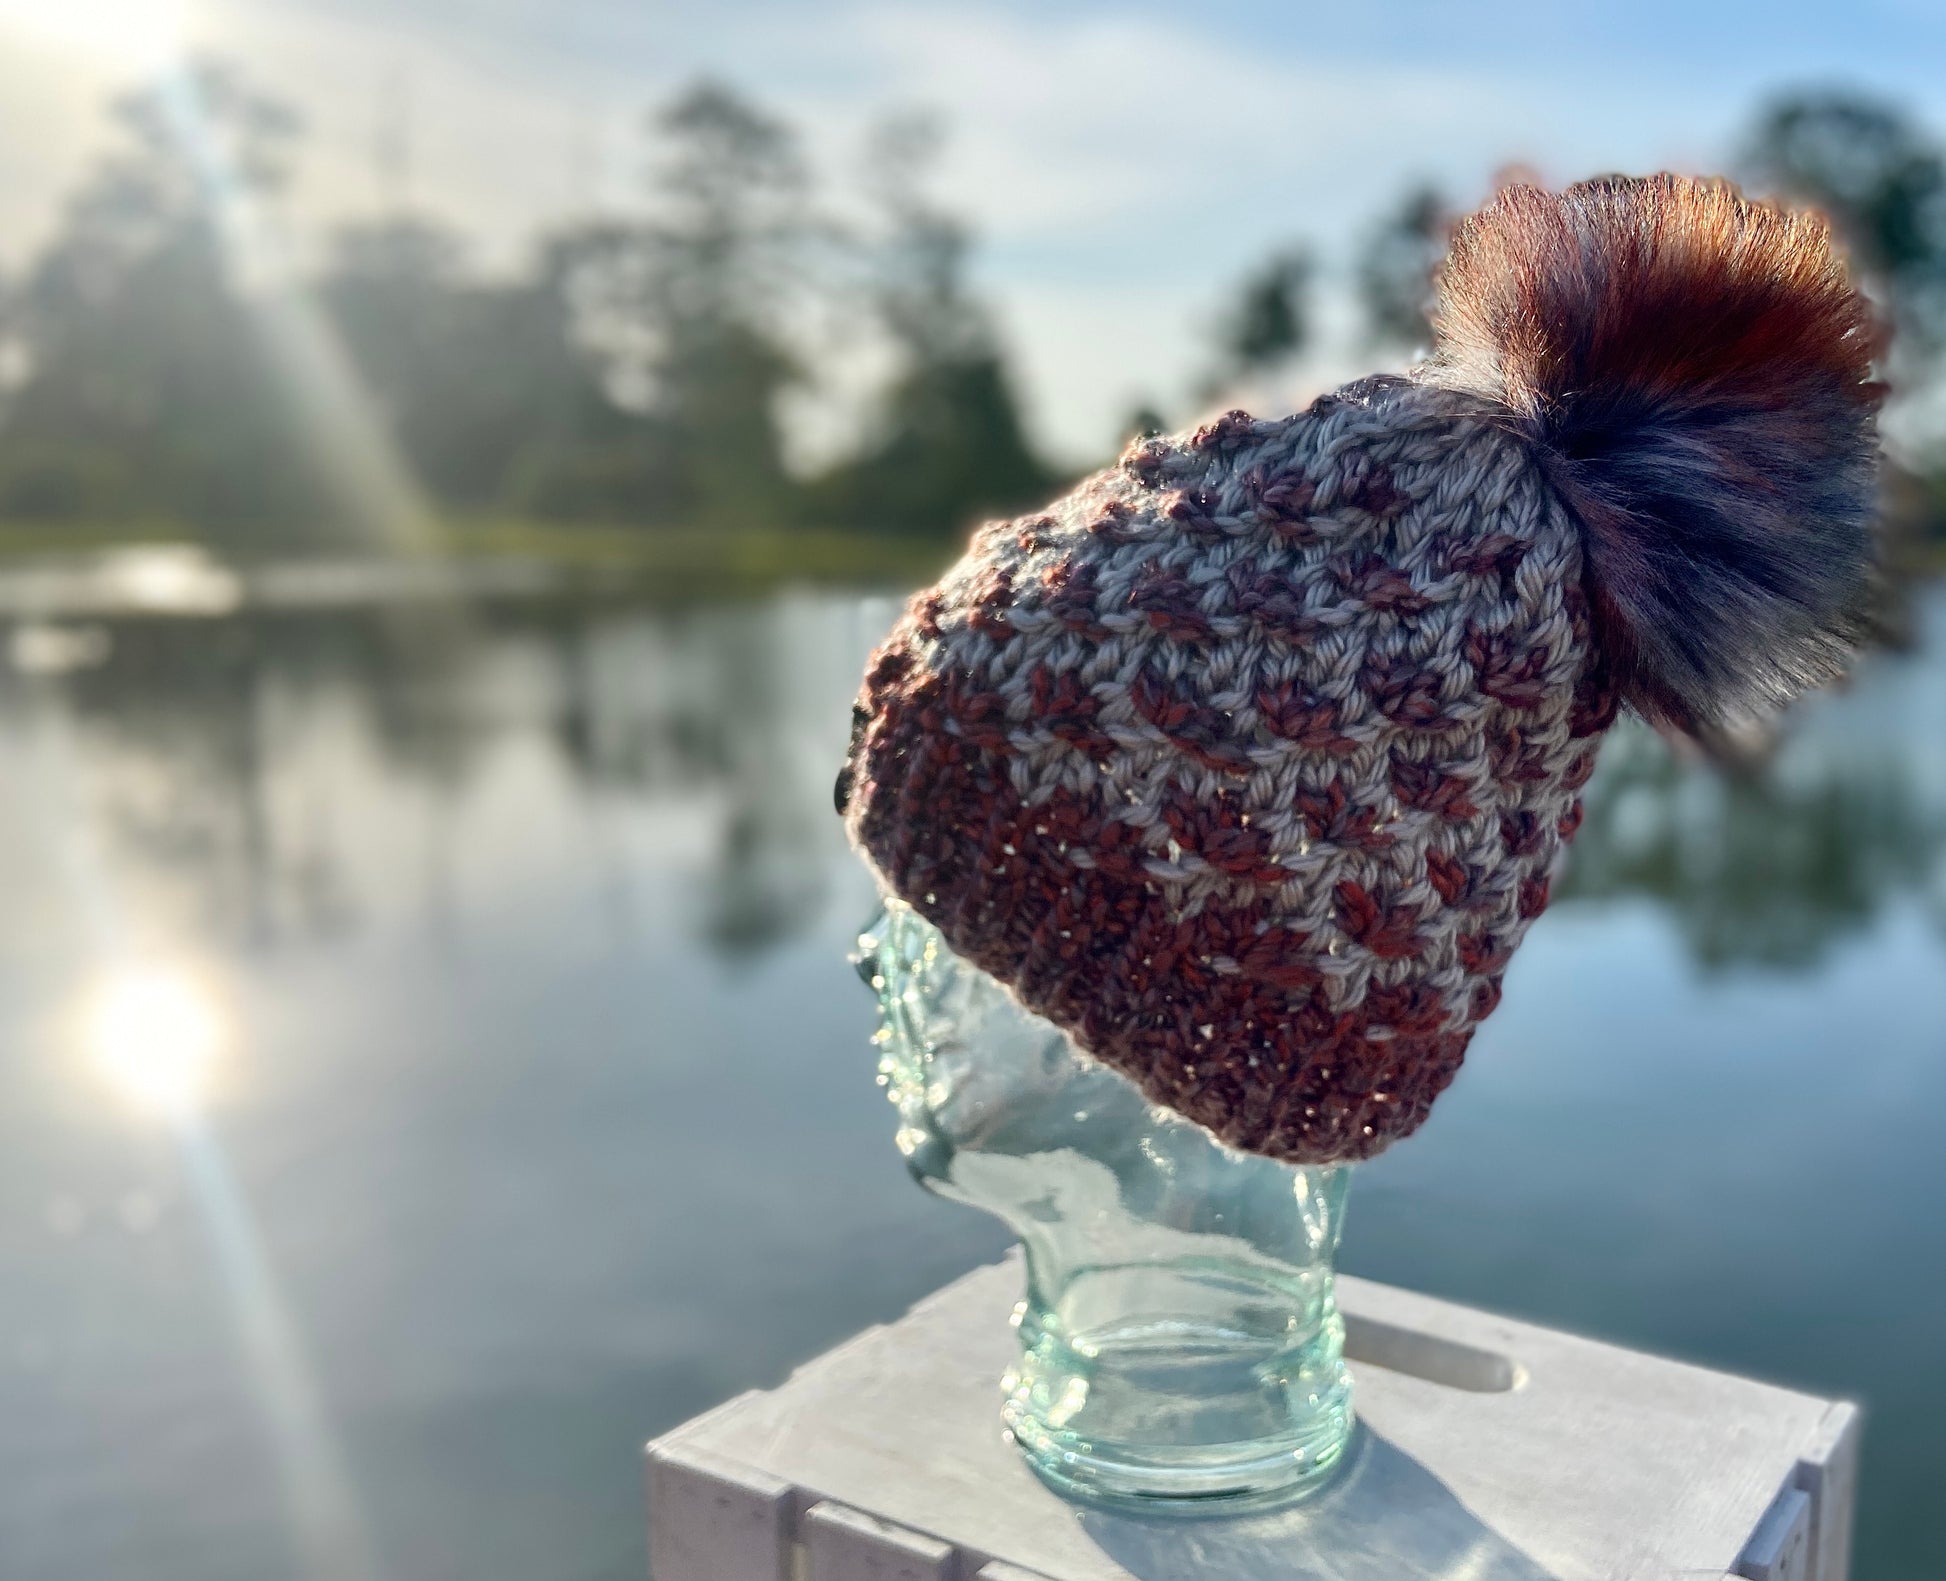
x=1159 y=1416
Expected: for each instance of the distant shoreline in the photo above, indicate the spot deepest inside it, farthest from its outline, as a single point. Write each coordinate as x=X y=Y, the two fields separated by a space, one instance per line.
x=567 y=557
x=107 y=569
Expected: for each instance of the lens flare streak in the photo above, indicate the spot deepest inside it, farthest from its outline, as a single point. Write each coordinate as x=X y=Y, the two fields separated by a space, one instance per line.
x=330 y=1530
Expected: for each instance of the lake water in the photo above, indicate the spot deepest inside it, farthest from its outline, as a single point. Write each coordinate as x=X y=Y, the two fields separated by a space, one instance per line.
x=541 y=1114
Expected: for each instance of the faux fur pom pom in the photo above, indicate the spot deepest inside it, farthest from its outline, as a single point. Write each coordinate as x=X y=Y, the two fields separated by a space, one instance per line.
x=1696 y=369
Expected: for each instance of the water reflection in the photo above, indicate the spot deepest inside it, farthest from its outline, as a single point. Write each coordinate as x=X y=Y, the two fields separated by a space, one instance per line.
x=1771 y=865
x=1764 y=868
x=540 y=1113
x=303 y=778
x=274 y=781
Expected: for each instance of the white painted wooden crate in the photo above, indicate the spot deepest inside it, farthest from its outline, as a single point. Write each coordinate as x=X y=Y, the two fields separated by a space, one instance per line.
x=1489 y=1450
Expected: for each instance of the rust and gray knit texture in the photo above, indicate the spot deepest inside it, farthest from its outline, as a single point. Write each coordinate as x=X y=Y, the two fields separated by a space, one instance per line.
x=1247 y=764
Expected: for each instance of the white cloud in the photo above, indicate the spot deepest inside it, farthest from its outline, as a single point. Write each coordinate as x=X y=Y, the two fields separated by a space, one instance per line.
x=1153 y=127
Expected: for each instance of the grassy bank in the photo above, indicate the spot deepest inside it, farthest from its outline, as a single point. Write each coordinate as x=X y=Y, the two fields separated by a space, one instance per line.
x=675 y=559
x=698 y=557
x=680 y=559
x=44 y=540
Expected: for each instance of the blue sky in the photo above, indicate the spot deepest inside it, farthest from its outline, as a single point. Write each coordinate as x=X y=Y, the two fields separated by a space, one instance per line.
x=1121 y=162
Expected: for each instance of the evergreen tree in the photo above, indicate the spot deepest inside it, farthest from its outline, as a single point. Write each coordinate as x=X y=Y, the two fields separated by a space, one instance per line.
x=1882 y=181
x=1268 y=322
x=1395 y=266
x=481 y=384
x=1265 y=324
x=722 y=264
x=947 y=443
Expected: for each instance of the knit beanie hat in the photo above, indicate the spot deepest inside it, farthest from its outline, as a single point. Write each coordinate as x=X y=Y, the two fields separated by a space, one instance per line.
x=1247 y=763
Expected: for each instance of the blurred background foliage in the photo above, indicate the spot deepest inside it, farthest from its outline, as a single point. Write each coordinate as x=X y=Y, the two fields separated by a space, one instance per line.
x=639 y=371
x=633 y=373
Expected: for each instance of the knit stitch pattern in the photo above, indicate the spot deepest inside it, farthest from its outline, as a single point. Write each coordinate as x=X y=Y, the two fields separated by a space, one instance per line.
x=1248 y=762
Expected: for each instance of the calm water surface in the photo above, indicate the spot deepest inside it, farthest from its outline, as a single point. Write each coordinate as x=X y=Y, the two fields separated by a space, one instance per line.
x=543 y=1114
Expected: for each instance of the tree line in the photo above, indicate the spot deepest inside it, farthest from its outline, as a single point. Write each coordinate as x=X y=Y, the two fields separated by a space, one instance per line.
x=637 y=370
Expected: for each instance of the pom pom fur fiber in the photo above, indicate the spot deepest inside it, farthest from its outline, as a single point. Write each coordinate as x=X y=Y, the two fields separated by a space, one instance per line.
x=1696 y=369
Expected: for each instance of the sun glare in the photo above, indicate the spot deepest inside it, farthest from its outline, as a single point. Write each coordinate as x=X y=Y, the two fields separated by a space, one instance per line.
x=154 y=1035
x=136 y=35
